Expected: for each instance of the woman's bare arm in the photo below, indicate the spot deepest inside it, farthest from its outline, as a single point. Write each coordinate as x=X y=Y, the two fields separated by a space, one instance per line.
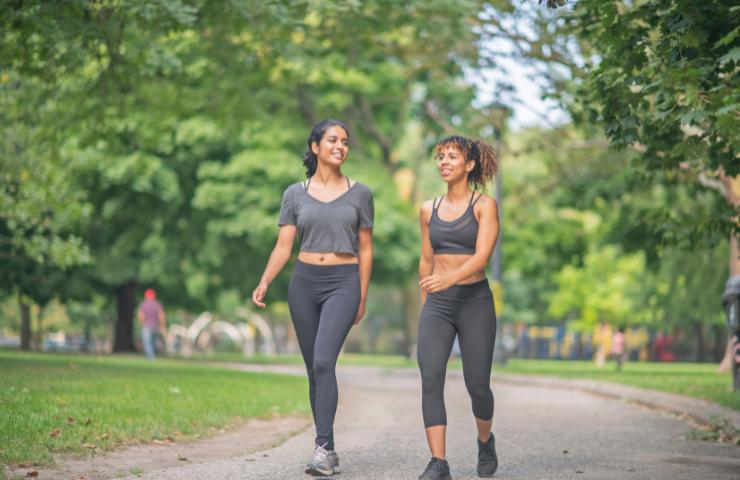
x=278 y=258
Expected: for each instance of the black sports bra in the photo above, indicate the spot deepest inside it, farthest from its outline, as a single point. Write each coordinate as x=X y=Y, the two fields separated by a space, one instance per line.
x=457 y=237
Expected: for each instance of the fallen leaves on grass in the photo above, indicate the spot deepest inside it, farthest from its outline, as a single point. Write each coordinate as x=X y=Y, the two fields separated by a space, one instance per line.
x=32 y=473
x=89 y=446
x=55 y=433
x=718 y=429
x=87 y=421
x=70 y=420
x=103 y=437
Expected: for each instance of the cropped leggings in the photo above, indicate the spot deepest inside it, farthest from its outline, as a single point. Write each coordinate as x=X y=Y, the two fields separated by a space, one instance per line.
x=323 y=302
x=468 y=311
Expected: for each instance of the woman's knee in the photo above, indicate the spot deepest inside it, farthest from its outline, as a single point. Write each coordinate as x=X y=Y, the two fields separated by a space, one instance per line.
x=480 y=392
x=432 y=378
x=323 y=366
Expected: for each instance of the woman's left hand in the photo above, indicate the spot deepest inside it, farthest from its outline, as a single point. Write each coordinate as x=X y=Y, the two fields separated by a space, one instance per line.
x=360 y=313
x=435 y=283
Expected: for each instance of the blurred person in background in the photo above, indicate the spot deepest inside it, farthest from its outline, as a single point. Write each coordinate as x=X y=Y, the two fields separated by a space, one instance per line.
x=152 y=320
x=661 y=347
x=619 y=347
x=602 y=341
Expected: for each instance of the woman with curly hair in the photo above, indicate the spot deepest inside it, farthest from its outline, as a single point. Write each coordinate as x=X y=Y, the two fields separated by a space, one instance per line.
x=333 y=217
x=459 y=231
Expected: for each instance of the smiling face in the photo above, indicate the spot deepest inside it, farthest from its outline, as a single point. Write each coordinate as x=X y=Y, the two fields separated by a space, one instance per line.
x=333 y=148
x=451 y=163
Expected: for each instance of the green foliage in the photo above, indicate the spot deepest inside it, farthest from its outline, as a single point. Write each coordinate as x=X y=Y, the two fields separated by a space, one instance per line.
x=666 y=82
x=583 y=241
x=149 y=144
x=607 y=288
x=688 y=290
x=178 y=125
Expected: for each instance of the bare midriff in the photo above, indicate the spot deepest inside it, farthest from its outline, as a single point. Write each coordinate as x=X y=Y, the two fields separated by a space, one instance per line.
x=318 y=258
x=446 y=263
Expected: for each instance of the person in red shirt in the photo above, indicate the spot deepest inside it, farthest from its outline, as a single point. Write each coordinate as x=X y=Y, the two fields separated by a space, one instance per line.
x=152 y=320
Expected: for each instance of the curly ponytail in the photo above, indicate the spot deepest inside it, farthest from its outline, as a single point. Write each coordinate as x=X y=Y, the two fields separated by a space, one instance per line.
x=478 y=151
x=310 y=161
x=486 y=164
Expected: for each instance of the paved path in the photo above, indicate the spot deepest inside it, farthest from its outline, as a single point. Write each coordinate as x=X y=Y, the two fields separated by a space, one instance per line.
x=542 y=433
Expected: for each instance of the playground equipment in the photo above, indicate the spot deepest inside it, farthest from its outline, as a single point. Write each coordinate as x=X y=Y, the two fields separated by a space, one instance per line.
x=206 y=330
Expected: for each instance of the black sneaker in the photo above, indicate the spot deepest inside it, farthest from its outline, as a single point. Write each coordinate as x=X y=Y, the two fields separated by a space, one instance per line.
x=487 y=458
x=436 y=470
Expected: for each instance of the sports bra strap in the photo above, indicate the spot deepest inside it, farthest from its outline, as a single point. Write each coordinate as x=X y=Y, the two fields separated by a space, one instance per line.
x=477 y=198
x=307 y=183
x=436 y=205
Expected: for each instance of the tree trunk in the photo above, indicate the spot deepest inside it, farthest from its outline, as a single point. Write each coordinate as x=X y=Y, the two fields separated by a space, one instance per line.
x=732 y=195
x=87 y=333
x=718 y=345
x=123 y=335
x=38 y=337
x=25 y=324
x=699 y=333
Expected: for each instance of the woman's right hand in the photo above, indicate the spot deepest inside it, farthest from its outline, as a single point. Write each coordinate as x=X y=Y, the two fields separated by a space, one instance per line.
x=259 y=294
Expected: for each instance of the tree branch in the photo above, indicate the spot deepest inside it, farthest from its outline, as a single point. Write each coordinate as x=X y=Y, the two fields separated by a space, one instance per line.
x=380 y=138
x=431 y=110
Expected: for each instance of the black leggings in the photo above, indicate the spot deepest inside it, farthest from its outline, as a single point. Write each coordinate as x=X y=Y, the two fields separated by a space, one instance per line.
x=468 y=311
x=323 y=301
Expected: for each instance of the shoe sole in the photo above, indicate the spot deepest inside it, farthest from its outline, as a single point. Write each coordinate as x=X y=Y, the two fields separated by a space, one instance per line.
x=319 y=473
x=446 y=477
x=486 y=475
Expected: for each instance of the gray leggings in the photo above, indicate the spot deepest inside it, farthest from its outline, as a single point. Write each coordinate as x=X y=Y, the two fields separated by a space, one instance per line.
x=323 y=301
x=468 y=311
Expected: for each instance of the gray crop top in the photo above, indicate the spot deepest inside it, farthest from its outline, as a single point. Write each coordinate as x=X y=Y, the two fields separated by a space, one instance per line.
x=328 y=227
x=457 y=237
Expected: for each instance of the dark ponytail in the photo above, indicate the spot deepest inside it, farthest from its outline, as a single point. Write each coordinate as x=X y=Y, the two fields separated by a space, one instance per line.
x=317 y=133
x=482 y=153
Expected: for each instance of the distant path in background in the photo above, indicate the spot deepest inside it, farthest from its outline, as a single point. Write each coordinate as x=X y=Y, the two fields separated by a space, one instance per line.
x=543 y=432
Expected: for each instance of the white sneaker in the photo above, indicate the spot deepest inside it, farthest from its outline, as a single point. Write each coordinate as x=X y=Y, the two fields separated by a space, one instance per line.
x=324 y=462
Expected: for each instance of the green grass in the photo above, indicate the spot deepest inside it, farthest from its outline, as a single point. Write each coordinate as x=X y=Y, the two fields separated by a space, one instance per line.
x=698 y=380
x=388 y=361
x=113 y=400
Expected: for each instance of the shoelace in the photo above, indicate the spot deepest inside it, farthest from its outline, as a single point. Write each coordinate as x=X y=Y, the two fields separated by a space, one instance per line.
x=320 y=454
x=486 y=452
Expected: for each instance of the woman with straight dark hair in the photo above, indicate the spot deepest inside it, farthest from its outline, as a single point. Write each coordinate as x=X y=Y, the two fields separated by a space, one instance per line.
x=333 y=217
x=459 y=231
